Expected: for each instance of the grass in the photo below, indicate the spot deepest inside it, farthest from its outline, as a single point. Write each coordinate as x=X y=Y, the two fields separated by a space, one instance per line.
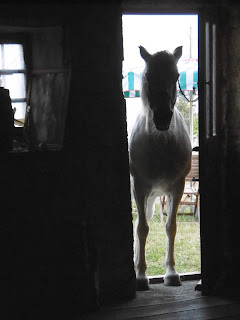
x=187 y=244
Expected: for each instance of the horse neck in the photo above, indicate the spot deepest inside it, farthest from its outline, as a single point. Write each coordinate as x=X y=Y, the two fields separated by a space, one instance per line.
x=148 y=119
x=146 y=111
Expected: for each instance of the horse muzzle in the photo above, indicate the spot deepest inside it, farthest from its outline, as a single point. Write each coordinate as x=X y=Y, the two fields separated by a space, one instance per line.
x=162 y=121
x=162 y=127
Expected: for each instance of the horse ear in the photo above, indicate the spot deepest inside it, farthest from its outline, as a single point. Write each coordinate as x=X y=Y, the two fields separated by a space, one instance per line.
x=177 y=53
x=144 y=54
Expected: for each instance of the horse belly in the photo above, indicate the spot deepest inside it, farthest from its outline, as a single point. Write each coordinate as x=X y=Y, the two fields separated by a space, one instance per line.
x=160 y=168
x=161 y=173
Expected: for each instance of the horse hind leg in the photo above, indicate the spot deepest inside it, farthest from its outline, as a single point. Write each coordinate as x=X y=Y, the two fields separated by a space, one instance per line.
x=141 y=233
x=171 y=277
x=150 y=207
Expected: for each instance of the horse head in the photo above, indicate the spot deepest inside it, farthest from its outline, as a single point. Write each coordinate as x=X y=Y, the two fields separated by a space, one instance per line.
x=160 y=78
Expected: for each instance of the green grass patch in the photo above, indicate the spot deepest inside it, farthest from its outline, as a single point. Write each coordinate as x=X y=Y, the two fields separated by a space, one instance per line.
x=187 y=244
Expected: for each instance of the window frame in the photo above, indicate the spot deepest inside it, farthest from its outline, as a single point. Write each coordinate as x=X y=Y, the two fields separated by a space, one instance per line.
x=21 y=39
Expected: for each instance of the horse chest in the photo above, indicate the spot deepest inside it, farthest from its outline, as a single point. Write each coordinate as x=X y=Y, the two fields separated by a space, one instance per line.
x=159 y=159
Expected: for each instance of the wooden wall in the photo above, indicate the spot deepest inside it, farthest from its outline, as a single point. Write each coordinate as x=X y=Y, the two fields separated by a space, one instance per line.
x=67 y=222
x=230 y=263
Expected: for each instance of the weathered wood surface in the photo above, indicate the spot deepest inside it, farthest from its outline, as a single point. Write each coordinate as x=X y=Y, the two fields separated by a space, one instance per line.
x=188 y=305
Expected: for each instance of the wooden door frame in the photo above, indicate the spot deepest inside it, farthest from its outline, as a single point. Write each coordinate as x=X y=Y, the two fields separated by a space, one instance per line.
x=206 y=242
x=212 y=141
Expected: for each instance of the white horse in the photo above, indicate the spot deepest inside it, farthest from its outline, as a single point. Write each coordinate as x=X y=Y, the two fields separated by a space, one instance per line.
x=160 y=157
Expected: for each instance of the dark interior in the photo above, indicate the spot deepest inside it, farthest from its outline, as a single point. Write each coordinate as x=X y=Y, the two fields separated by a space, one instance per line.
x=66 y=223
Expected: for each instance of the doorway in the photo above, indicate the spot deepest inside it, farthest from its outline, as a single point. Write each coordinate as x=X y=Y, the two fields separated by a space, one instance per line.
x=157 y=33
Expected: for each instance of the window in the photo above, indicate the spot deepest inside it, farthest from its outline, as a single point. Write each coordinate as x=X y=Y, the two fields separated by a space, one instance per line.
x=12 y=75
x=210 y=79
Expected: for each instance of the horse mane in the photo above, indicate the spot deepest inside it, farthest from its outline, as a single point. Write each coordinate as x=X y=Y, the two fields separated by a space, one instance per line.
x=163 y=58
x=165 y=54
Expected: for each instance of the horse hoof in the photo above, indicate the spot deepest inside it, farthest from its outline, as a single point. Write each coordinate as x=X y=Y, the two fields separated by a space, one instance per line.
x=172 y=280
x=142 y=284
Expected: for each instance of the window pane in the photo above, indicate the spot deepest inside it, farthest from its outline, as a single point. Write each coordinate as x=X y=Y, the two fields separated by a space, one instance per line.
x=207 y=79
x=214 y=85
x=16 y=84
x=12 y=56
x=20 y=110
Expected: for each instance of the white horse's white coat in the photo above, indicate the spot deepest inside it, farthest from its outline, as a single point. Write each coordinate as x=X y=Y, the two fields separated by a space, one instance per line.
x=160 y=158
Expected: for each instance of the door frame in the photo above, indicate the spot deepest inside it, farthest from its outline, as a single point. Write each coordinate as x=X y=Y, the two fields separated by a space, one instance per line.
x=209 y=144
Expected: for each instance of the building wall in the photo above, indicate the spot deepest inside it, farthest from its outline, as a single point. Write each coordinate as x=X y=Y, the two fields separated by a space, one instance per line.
x=70 y=209
x=97 y=133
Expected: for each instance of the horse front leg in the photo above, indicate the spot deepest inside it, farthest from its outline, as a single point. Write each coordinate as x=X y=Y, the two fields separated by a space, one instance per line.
x=171 y=277
x=141 y=233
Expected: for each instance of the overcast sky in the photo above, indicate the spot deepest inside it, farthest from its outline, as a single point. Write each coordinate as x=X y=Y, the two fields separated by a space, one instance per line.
x=156 y=33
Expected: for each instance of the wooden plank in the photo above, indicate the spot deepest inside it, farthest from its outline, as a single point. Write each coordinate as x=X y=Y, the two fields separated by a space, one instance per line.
x=19 y=122
x=230 y=311
x=186 y=276
x=12 y=71
x=158 y=293
x=145 y=301
x=185 y=213
x=187 y=202
x=228 y=317
x=201 y=308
